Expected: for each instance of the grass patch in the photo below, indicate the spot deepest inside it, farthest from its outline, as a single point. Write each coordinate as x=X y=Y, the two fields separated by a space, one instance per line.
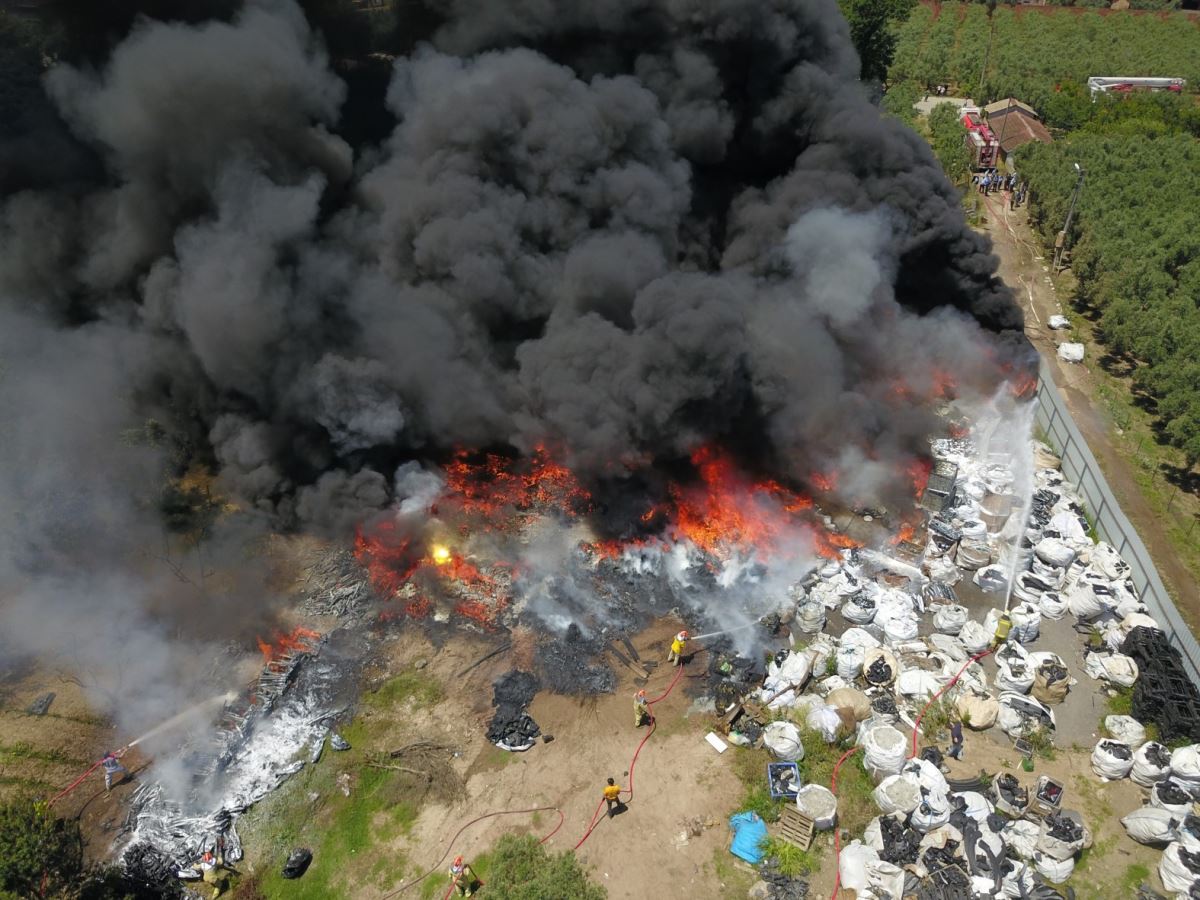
x=793 y=862
x=736 y=878
x=935 y=722
x=1120 y=702
x=856 y=806
x=750 y=766
x=25 y=751
x=410 y=684
x=1132 y=877
x=1042 y=741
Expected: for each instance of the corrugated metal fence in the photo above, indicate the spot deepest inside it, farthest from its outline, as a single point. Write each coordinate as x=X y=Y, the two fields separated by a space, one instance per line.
x=1080 y=468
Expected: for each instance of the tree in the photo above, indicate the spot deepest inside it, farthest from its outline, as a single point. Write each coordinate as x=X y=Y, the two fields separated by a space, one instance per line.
x=948 y=137
x=42 y=854
x=872 y=29
x=520 y=869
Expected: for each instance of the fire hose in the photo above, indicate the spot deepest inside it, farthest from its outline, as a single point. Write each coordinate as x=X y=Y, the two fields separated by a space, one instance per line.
x=837 y=844
x=74 y=784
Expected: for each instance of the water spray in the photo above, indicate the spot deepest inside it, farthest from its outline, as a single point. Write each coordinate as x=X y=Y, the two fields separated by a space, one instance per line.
x=700 y=637
x=186 y=714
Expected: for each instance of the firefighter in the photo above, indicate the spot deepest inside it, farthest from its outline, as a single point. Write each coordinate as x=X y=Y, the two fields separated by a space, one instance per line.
x=112 y=766
x=1003 y=627
x=211 y=870
x=462 y=877
x=612 y=796
x=678 y=647
x=641 y=710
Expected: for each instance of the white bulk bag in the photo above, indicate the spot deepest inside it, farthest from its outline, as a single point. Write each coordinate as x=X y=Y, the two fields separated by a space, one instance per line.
x=898 y=793
x=932 y=812
x=978 y=711
x=951 y=646
x=975 y=637
x=859 y=609
x=898 y=629
x=859 y=637
x=949 y=619
x=1056 y=848
x=810 y=618
x=1021 y=836
x=1026 y=623
x=825 y=719
x=1020 y=715
x=1168 y=794
x=1189 y=833
x=978 y=806
x=850 y=661
x=1052 y=605
x=973 y=553
x=1176 y=877
x=1015 y=675
x=1018 y=881
x=992 y=579
x=852 y=866
x=1150 y=825
x=783 y=739
x=1082 y=601
x=1111 y=759
x=850 y=699
x=1054 y=552
x=1185 y=768
x=873 y=834
x=1107 y=561
x=1056 y=871
x=883 y=750
x=918 y=683
x=1114 y=667
x=1126 y=729
x=1151 y=764
x=929 y=775
x=819 y=804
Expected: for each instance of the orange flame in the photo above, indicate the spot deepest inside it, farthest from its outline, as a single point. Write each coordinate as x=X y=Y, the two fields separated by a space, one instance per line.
x=298 y=640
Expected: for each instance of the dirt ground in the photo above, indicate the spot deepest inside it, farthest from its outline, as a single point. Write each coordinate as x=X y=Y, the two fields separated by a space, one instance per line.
x=1027 y=271
x=645 y=851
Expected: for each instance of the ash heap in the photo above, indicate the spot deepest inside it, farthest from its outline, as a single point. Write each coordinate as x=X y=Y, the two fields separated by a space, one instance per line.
x=662 y=266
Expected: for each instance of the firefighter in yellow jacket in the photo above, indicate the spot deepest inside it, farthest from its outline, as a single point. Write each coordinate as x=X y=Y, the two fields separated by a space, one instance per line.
x=678 y=648
x=462 y=877
x=641 y=710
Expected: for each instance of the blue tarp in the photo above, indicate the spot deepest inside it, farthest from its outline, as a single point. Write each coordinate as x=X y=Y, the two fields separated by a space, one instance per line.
x=749 y=835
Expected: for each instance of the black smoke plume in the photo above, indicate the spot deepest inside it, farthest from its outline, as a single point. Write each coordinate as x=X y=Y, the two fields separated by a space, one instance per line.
x=624 y=228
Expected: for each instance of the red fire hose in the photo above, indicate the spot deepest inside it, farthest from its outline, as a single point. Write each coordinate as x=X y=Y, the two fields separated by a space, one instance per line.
x=945 y=687
x=74 y=784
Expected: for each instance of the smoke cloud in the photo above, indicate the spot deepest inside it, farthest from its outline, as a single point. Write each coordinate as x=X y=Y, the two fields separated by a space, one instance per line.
x=623 y=229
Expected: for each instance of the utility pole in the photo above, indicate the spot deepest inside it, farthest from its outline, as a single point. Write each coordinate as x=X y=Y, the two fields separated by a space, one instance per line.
x=1061 y=243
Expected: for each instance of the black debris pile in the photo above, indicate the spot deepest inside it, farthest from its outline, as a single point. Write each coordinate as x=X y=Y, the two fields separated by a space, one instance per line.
x=732 y=677
x=784 y=780
x=569 y=665
x=297 y=863
x=1171 y=793
x=782 y=887
x=944 y=867
x=879 y=672
x=885 y=704
x=938 y=592
x=1009 y=790
x=749 y=729
x=1117 y=749
x=1163 y=693
x=1158 y=755
x=41 y=705
x=151 y=870
x=511 y=727
x=901 y=844
x=1063 y=828
x=932 y=755
x=996 y=822
x=1191 y=860
x=1053 y=672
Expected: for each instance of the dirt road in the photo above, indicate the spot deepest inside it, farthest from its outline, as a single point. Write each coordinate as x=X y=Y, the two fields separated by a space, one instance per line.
x=1023 y=267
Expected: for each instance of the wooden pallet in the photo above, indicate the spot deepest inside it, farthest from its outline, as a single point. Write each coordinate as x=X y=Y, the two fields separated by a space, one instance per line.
x=796 y=828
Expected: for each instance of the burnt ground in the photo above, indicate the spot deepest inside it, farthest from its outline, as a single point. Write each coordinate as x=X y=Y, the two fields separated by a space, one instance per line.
x=1025 y=268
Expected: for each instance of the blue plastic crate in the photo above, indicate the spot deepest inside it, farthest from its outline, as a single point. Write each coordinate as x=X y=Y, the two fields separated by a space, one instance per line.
x=774 y=772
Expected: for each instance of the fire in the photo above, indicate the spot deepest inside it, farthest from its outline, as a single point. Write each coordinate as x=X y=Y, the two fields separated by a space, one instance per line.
x=823 y=481
x=440 y=554
x=298 y=640
x=726 y=511
x=918 y=475
x=493 y=486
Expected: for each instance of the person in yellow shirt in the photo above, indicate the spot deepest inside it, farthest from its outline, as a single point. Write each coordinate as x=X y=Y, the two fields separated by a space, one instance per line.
x=678 y=648
x=612 y=796
x=641 y=710
x=462 y=877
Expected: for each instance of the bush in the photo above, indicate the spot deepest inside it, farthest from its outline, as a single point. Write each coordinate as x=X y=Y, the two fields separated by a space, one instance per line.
x=42 y=854
x=948 y=137
x=519 y=868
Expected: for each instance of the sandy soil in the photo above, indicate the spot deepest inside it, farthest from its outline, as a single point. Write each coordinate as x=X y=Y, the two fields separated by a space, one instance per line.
x=643 y=852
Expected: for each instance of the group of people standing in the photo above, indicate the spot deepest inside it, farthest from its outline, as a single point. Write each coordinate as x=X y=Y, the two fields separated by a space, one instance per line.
x=990 y=180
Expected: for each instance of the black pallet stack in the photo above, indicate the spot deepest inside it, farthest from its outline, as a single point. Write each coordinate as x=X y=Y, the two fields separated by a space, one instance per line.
x=1163 y=693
